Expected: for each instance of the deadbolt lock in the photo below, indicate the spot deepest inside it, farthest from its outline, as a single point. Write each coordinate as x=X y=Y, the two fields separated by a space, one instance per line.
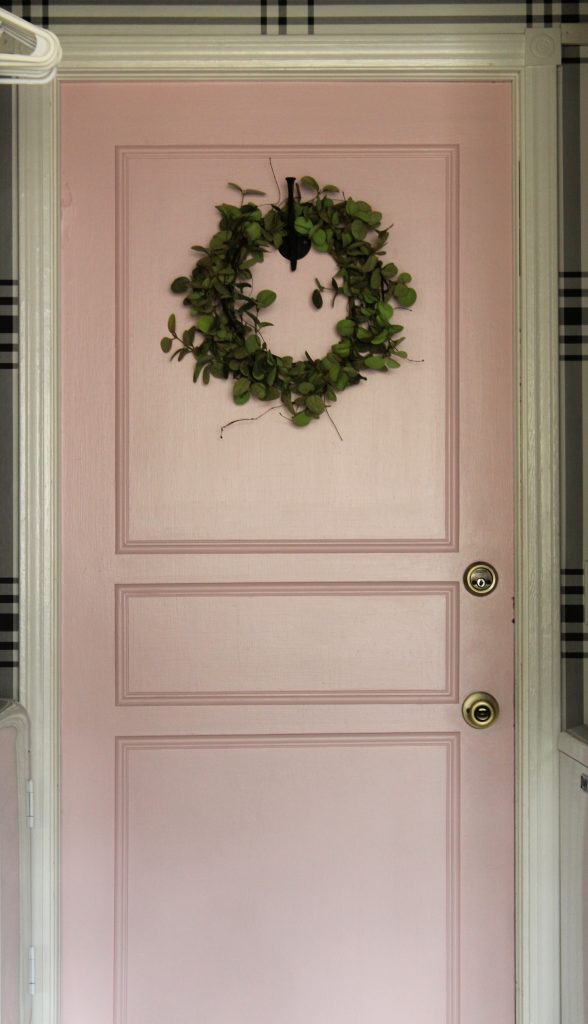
x=480 y=710
x=480 y=578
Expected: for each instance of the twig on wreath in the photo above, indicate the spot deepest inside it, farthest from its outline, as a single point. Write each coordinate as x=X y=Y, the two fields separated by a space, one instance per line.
x=276 y=181
x=327 y=412
x=245 y=419
x=333 y=422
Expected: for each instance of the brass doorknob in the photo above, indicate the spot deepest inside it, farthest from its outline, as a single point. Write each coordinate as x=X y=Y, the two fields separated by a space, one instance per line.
x=480 y=578
x=480 y=710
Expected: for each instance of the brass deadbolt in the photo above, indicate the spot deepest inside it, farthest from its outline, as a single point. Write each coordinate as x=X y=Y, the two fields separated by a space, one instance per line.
x=480 y=578
x=480 y=710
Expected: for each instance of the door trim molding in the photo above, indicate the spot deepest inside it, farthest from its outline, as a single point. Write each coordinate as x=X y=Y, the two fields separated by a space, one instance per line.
x=528 y=59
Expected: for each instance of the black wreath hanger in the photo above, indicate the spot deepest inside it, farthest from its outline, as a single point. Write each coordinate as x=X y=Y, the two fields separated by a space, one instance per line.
x=294 y=247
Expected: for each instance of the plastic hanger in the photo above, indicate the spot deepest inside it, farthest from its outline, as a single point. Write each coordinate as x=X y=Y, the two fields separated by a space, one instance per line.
x=34 y=68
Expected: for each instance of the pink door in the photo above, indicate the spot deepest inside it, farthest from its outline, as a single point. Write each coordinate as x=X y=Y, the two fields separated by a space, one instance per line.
x=273 y=810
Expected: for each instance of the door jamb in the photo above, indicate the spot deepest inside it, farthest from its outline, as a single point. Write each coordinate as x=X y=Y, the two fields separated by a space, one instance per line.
x=529 y=59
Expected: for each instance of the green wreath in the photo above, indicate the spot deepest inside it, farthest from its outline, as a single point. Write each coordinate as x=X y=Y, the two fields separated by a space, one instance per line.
x=227 y=339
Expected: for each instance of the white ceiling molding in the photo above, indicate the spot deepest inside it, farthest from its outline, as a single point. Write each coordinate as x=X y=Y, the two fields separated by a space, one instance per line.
x=38 y=52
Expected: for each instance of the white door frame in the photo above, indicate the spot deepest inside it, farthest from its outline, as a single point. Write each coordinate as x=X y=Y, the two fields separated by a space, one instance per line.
x=526 y=57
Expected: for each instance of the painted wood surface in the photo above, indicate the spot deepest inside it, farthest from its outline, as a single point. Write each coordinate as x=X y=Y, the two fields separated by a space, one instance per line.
x=332 y=841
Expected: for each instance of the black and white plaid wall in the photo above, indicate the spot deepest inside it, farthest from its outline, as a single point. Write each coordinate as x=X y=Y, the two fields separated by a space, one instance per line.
x=301 y=16
x=311 y=17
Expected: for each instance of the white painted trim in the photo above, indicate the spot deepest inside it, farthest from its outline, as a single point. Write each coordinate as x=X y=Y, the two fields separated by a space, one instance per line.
x=13 y=716
x=537 y=694
x=39 y=497
x=183 y=57
x=529 y=60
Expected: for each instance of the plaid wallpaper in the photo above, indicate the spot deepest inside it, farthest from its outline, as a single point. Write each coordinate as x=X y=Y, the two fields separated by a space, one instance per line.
x=573 y=353
x=307 y=17
x=302 y=16
x=8 y=405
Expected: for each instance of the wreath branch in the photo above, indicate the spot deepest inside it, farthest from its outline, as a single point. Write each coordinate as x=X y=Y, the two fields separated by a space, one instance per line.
x=333 y=422
x=247 y=419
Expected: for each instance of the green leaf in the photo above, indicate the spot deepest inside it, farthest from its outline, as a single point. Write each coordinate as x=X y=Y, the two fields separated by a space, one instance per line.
x=330 y=188
x=287 y=401
x=199 y=248
x=301 y=419
x=229 y=210
x=342 y=348
x=181 y=284
x=392 y=363
x=240 y=387
x=405 y=296
x=308 y=182
x=253 y=192
x=206 y=375
x=303 y=225
x=385 y=310
x=231 y=184
x=305 y=388
x=166 y=344
x=171 y=324
x=259 y=367
x=253 y=231
x=317 y=299
x=252 y=343
x=265 y=298
x=258 y=389
x=358 y=230
x=315 y=405
x=375 y=362
x=205 y=322
x=345 y=328
x=404 y=278
x=242 y=399
x=375 y=278
x=380 y=338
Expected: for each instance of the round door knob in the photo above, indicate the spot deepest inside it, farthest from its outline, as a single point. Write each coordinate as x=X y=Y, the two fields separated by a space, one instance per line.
x=480 y=710
x=480 y=578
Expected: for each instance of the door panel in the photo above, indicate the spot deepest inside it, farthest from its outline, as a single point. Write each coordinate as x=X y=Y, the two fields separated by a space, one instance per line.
x=272 y=807
x=220 y=654
x=309 y=929
x=403 y=483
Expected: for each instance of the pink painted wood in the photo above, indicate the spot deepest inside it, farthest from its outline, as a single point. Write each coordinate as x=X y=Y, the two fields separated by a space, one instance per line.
x=272 y=808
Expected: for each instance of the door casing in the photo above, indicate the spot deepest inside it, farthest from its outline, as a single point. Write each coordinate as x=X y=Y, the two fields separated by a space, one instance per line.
x=528 y=58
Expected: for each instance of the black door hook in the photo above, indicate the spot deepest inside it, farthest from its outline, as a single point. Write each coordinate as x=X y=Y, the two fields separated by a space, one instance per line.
x=294 y=247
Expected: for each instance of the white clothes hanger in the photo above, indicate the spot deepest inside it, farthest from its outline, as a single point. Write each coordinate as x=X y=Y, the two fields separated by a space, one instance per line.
x=31 y=68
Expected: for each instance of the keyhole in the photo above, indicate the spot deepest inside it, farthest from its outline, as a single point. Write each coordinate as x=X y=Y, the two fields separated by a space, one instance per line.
x=482 y=714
